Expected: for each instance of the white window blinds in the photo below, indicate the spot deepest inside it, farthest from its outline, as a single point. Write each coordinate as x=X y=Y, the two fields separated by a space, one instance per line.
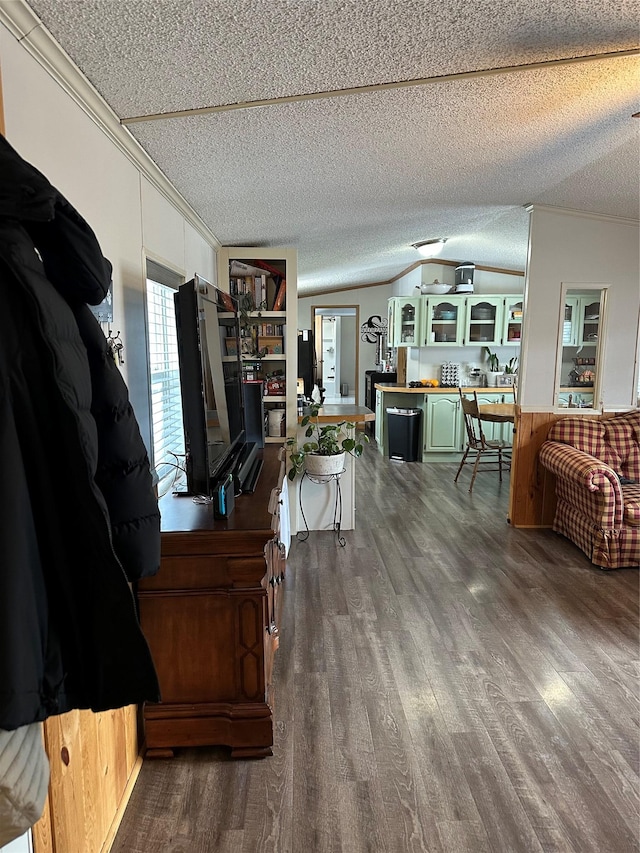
x=166 y=404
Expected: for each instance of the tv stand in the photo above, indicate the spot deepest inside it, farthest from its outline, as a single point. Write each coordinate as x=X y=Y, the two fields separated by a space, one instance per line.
x=211 y=617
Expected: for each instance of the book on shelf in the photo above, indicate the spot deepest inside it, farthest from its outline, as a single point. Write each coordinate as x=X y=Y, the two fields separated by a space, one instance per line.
x=260 y=291
x=231 y=345
x=241 y=269
x=271 y=329
x=279 y=301
x=262 y=281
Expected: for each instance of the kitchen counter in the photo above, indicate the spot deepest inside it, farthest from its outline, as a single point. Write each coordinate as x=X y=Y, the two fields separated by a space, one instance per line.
x=333 y=413
x=404 y=389
x=441 y=426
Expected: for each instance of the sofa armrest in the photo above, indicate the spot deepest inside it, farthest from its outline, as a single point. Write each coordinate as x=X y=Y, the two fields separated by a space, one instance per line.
x=582 y=475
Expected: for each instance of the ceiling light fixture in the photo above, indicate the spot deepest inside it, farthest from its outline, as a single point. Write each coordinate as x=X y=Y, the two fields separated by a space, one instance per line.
x=429 y=248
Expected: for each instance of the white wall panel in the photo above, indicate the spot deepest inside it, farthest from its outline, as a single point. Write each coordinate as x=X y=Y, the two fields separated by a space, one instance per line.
x=162 y=226
x=199 y=256
x=50 y=129
x=566 y=246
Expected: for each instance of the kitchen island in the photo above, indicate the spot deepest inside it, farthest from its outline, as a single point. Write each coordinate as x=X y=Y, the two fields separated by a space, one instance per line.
x=322 y=505
x=442 y=430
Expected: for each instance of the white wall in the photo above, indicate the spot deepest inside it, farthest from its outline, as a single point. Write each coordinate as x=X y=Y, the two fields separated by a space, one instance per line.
x=348 y=334
x=19 y=845
x=130 y=215
x=566 y=246
x=371 y=301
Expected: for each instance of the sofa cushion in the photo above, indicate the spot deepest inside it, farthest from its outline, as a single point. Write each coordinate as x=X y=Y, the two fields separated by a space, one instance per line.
x=585 y=434
x=622 y=444
x=631 y=497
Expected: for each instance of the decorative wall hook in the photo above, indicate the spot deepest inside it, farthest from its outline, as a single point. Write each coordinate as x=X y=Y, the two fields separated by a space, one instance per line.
x=116 y=347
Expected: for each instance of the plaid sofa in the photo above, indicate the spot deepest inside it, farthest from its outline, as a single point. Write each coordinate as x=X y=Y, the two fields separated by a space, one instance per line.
x=597 y=511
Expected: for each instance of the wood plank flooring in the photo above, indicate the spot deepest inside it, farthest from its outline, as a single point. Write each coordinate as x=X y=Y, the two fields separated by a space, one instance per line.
x=444 y=683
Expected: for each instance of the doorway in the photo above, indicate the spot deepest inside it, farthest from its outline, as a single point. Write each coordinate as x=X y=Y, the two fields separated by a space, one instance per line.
x=336 y=341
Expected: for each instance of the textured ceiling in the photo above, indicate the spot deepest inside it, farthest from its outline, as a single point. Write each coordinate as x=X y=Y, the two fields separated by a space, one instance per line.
x=352 y=180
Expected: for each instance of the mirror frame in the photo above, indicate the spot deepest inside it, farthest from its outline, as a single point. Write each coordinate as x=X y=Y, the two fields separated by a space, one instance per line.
x=566 y=291
x=318 y=311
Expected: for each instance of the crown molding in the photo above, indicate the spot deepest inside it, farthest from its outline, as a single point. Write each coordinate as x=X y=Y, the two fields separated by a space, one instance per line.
x=28 y=29
x=583 y=214
x=415 y=265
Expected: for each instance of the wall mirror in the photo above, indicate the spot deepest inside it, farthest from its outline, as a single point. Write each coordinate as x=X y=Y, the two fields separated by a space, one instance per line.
x=581 y=336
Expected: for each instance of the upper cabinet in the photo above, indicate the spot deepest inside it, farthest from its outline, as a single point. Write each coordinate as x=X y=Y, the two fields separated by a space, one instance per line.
x=404 y=319
x=512 y=320
x=484 y=320
x=588 y=320
x=581 y=323
x=455 y=321
x=443 y=321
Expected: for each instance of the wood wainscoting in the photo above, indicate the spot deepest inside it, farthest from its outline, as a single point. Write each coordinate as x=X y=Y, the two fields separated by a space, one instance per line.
x=533 y=488
x=94 y=764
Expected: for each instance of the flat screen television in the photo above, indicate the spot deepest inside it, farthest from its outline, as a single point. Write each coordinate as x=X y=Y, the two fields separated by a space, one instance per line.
x=207 y=324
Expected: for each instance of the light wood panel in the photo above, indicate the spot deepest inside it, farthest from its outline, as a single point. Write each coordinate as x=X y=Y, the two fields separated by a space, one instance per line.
x=533 y=498
x=94 y=762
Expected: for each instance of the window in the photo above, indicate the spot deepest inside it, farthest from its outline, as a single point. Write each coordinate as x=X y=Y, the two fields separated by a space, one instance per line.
x=167 y=433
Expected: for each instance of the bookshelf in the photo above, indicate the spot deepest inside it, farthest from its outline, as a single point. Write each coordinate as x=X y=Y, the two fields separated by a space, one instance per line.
x=264 y=280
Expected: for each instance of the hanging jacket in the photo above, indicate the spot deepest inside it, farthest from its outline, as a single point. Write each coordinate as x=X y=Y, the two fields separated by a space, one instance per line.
x=78 y=515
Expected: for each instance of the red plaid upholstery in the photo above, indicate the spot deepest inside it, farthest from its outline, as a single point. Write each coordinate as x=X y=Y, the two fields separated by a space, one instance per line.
x=584 y=434
x=622 y=448
x=631 y=505
x=598 y=514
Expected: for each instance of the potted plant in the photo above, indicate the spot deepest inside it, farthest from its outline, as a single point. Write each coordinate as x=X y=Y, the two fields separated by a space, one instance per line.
x=494 y=367
x=323 y=454
x=510 y=370
x=248 y=317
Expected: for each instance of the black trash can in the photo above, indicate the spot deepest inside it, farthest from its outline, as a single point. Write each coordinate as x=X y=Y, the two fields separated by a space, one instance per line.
x=403 y=427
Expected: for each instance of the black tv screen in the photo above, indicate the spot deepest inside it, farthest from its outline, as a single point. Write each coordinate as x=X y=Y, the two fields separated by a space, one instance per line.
x=207 y=324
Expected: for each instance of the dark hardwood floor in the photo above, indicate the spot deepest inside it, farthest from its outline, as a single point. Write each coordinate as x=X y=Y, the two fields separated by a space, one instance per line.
x=444 y=683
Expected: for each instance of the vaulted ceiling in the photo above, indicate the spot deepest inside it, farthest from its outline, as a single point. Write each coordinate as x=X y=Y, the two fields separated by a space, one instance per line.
x=445 y=133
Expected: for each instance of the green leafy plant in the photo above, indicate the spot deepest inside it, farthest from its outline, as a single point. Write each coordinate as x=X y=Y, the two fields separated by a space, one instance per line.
x=492 y=358
x=247 y=314
x=511 y=366
x=324 y=440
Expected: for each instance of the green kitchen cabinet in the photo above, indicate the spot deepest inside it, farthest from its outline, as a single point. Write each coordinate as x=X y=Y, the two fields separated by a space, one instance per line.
x=484 y=320
x=442 y=430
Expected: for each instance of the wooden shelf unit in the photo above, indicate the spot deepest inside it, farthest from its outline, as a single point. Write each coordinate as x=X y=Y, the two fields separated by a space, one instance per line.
x=286 y=261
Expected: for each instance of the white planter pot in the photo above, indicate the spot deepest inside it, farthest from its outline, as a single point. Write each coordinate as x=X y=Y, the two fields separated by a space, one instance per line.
x=493 y=378
x=317 y=465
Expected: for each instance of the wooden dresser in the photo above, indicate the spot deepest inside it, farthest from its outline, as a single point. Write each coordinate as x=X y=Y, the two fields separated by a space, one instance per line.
x=211 y=618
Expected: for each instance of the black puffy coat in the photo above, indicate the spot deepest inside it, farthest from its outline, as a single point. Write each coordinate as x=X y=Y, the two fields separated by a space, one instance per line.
x=77 y=511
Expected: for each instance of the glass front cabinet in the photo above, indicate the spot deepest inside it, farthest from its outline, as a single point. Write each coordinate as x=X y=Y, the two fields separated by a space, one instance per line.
x=455 y=321
x=405 y=314
x=512 y=320
x=588 y=320
x=581 y=320
x=443 y=323
x=484 y=320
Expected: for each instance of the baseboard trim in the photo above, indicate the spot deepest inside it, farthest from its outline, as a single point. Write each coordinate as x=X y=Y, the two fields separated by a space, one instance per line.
x=117 y=819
